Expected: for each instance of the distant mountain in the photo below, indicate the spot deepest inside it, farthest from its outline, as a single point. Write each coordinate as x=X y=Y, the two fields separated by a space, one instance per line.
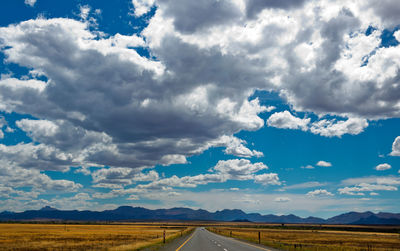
x=127 y=213
x=348 y=218
x=375 y=220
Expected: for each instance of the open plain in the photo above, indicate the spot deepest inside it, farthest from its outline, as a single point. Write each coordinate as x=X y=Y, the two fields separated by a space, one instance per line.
x=321 y=238
x=85 y=237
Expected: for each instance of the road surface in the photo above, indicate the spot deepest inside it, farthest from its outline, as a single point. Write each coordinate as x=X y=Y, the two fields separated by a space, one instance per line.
x=202 y=240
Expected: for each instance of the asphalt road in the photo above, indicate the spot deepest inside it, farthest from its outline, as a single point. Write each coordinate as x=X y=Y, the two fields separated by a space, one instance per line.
x=202 y=240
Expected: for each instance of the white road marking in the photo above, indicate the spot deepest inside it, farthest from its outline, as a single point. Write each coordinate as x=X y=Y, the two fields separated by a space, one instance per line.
x=225 y=249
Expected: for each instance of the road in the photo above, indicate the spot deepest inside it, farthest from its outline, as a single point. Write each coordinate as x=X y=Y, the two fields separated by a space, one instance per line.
x=202 y=240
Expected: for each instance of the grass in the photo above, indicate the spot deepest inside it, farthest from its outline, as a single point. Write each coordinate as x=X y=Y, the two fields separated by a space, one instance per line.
x=313 y=240
x=85 y=237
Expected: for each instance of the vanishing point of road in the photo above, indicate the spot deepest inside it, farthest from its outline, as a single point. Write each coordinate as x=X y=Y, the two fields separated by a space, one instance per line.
x=203 y=240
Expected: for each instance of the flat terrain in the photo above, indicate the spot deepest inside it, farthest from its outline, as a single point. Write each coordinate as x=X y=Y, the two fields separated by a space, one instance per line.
x=149 y=236
x=202 y=240
x=83 y=237
x=321 y=240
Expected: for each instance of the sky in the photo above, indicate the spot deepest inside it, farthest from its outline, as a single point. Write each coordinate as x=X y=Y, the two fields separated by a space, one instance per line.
x=266 y=106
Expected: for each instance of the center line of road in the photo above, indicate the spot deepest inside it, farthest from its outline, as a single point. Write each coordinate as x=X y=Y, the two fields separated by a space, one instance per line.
x=184 y=243
x=225 y=249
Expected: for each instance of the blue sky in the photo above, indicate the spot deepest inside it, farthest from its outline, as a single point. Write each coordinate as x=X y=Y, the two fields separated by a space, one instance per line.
x=272 y=108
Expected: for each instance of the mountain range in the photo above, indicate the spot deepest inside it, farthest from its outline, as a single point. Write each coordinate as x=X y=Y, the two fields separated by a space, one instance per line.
x=128 y=213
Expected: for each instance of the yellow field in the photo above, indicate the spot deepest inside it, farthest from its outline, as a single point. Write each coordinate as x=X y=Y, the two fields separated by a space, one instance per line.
x=321 y=240
x=84 y=237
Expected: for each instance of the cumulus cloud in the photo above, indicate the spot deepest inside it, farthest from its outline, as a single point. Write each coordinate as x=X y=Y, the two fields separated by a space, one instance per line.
x=324 y=163
x=323 y=127
x=286 y=120
x=235 y=146
x=319 y=192
x=159 y=107
x=365 y=187
x=381 y=180
x=136 y=112
x=234 y=169
x=382 y=167
x=396 y=147
x=267 y=179
x=37 y=156
x=238 y=169
x=17 y=177
x=141 y=7
x=331 y=128
x=118 y=177
x=358 y=186
x=142 y=132
x=320 y=163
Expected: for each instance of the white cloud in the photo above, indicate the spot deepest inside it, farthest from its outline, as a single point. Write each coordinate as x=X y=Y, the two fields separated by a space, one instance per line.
x=238 y=169
x=382 y=167
x=282 y=199
x=38 y=129
x=134 y=112
x=365 y=187
x=320 y=163
x=331 y=128
x=142 y=132
x=382 y=180
x=286 y=120
x=267 y=179
x=37 y=156
x=30 y=2
x=358 y=186
x=319 y=192
x=141 y=7
x=323 y=127
x=397 y=35
x=396 y=147
x=170 y=159
x=234 y=169
x=236 y=147
x=324 y=163
x=18 y=177
x=121 y=176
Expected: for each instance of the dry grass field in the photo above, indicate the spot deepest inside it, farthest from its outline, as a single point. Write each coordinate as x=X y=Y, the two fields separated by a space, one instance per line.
x=312 y=240
x=84 y=237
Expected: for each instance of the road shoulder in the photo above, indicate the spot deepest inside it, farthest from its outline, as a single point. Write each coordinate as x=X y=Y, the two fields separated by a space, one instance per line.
x=249 y=243
x=173 y=245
